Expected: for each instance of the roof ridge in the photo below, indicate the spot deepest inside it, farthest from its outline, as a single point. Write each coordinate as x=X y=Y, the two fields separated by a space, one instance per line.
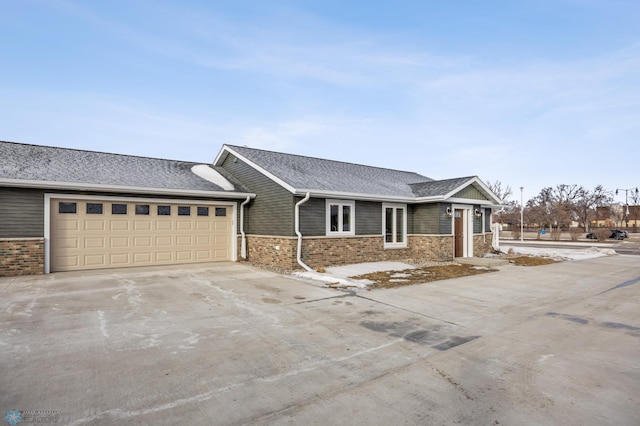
x=327 y=159
x=101 y=152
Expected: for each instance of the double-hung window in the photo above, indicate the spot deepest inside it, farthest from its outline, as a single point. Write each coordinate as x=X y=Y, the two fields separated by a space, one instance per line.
x=394 y=225
x=341 y=217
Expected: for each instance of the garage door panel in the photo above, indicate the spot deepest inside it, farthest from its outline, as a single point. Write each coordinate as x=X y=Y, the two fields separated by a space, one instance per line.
x=94 y=260
x=94 y=225
x=183 y=225
x=67 y=243
x=94 y=242
x=119 y=259
x=164 y=241
x=85 y=239
x=164 y=225
x=142 y=241
x=164 y=256
x=119 y=225
x=142 y=225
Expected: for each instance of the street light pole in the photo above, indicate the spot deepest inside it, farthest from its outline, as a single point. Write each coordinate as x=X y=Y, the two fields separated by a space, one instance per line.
x=626 y=202
x=521 y=214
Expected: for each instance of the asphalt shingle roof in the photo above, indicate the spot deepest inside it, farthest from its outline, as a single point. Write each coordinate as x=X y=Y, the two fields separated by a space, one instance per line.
x=438 y=187
x=43 y=163
x=317 y=174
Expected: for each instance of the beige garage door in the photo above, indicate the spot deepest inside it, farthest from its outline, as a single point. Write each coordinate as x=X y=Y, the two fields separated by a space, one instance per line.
x=95 y=234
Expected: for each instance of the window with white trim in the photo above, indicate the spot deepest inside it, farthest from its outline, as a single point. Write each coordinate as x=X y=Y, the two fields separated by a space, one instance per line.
x=394 y=225
x=341 y=217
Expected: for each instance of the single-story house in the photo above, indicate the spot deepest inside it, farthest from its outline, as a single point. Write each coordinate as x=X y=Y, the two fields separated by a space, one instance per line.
x=66 y=209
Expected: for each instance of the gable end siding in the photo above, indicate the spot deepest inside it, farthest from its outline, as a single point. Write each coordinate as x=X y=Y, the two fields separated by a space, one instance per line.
x=272 y=211
x=21 y=213
x=470 y=192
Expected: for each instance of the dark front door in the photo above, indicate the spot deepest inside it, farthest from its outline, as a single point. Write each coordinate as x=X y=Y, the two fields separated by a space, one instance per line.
x=458 y=230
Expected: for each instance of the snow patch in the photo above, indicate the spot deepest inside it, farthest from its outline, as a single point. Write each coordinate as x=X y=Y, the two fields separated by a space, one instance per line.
x=332 y=281
x=562 y=253
x=209 y=174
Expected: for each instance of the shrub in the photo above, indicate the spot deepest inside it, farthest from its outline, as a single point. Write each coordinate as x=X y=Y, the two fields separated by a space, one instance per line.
x=555 y=234
x=515 y=233
x=602 y=233
x=575 y=233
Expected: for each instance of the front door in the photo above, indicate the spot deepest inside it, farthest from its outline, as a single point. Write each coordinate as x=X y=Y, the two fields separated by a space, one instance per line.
x=458 y=229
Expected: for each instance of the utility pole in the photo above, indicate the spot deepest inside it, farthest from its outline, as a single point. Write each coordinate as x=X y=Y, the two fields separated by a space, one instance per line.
x=521 y=214
x=626 y=202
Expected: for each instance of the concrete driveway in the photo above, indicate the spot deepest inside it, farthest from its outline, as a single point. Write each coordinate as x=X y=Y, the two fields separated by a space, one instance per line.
x=228 y=344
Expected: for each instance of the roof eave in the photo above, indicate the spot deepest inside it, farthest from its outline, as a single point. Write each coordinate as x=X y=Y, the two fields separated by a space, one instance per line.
x=20 y=183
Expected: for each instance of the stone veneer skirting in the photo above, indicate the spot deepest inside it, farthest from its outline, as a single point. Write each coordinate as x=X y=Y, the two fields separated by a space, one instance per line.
x=280 y=252
x=21 y=256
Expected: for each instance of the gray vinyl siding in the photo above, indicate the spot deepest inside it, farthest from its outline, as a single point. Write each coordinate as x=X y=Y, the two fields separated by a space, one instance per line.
x=313 y=221
x=477 y=223
x=313 y=218
x=445 y=221
x=487 y=220
x=368 y=218
x=426 y=219
x=271 y=212
x=21 y=213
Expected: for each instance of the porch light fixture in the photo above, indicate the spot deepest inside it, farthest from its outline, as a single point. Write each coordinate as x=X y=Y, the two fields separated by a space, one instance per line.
x=449 y=211
x=477 y=212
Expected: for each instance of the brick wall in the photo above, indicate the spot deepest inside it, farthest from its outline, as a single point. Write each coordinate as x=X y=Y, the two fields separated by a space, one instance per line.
x=279 y=253
x=21 y=256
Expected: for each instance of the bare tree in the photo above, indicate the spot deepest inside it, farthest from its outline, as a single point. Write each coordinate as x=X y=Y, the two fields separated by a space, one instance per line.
x=587 y=202
x=502 y=193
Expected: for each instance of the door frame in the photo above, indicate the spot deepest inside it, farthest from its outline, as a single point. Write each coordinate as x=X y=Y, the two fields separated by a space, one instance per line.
x=47 y=215
x=467 y=228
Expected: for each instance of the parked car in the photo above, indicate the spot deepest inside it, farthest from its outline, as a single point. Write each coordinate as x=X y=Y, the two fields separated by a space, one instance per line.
x=618 y=234
x=615 y=233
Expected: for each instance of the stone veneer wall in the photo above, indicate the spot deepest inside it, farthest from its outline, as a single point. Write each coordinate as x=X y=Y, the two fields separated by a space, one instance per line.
x=21 y=256
x=280 y=252
x=482 y=244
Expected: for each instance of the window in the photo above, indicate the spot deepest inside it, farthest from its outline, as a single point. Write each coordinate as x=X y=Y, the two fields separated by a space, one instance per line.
x=94 y=208
x=340 y=217
x=203 y=211
x=184 y=211
x=221 y=211
x=67 y=207
x=394 y=225
x=164 y=210
x=142 y=209
x=118 y=209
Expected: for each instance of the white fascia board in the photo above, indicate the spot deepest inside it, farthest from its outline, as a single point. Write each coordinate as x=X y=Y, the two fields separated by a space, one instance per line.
x=226 y=150
x=354 y=196
x=18 y=183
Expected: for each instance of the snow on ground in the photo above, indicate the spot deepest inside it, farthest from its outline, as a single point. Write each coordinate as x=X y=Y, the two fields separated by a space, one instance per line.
x=560 y=253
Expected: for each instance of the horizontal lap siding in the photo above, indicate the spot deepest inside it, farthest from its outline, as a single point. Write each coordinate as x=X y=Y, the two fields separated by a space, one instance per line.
x=271 y=212
x=21 y=213
x=368 y=218
x=313 y=222
x=425 y=219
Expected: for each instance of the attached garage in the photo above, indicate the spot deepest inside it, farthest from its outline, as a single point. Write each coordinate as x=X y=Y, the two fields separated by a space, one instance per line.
x=110 y=232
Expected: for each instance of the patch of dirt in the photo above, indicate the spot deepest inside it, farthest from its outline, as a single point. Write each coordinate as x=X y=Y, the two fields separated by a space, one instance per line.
x=531 y=261
x=390 y=279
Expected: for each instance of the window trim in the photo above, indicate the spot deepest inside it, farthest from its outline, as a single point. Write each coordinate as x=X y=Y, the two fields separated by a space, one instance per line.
x=352 y=217
x=395 y=208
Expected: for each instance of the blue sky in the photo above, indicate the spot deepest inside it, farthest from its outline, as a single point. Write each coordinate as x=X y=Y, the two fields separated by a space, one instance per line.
x=532 y=93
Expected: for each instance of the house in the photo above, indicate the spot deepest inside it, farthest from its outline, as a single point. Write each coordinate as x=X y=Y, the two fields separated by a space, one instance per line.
x=615 y=216
x=65 y=209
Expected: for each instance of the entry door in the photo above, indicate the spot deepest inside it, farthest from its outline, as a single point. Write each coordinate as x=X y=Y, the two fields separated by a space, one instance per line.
x=458 y=229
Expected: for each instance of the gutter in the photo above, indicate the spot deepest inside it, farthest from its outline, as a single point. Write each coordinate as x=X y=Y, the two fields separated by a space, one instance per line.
x=243 y=244
x=297 y=226
x=19 y=183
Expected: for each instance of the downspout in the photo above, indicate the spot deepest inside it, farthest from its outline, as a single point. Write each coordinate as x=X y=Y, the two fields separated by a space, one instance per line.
x=297 y=226
x=243 y=244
